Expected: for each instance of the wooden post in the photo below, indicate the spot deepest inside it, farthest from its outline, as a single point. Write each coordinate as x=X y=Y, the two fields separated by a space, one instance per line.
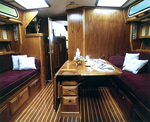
x=131 y=26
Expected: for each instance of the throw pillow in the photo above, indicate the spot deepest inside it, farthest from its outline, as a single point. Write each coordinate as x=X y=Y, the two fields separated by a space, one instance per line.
x=129 y=57
x=27 y=63
x=135 y=65
x=15 y=61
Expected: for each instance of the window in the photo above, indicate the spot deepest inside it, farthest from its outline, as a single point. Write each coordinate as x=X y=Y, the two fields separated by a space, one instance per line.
x=139 y=8
x=8 y=11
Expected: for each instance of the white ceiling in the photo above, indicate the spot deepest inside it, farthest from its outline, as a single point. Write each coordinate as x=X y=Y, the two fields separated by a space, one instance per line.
x=58 y=7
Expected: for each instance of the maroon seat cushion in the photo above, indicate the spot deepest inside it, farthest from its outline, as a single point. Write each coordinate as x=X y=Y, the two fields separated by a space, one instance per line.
x=138 y=84
x=13 y=78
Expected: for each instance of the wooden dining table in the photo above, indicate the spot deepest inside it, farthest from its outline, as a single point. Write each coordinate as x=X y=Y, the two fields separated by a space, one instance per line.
x=70 y=71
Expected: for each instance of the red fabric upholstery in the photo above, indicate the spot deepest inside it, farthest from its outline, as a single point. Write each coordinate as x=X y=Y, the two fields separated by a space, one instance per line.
x=137 y=84
x=10 y=79
x=13 y=78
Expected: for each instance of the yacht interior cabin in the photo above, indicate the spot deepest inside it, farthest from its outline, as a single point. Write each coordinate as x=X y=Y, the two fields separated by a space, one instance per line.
x=74 y=61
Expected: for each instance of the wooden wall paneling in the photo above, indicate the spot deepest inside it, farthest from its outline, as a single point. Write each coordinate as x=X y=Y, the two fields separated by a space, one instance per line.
x=27 y=18
x=105 y=33
x=75 y=32
x=43 y=61
x=34 y=43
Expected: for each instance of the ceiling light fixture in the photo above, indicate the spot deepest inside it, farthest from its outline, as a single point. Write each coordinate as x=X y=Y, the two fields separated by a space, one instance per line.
x=111 y=3
x=72 y=5
x=32 y=4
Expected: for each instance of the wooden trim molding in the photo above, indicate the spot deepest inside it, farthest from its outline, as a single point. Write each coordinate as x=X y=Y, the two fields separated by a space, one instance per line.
x=35 y=35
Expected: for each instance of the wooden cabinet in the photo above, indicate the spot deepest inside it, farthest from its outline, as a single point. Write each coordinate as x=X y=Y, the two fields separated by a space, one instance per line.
x=5 y=33
x=34 y=86
x=148 y=30
x=17 y=101
x=144 y=30
x=69 y=101
x=4 y=112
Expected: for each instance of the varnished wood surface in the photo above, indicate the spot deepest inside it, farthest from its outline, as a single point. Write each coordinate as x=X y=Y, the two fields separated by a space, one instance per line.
x=97 y=34
x=82 y=70
x=75 y=32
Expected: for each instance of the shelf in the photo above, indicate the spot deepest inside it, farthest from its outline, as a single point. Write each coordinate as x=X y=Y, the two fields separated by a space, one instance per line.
x=3 y=53
x=142 y=50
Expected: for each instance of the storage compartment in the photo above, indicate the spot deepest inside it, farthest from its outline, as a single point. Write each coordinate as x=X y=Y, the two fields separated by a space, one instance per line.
x=17 y=101
x=4 y=113
x=34 y=85
x=125 y=103
x=69 y=83
x=70 y=100
x=69 y=90
x=70 y=104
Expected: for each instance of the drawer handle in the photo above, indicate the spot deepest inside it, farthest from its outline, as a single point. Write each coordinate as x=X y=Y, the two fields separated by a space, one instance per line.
x=70 y=101
x=69 y=90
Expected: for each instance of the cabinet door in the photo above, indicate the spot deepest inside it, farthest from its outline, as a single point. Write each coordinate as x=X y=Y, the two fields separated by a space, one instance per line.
x=56 y=52
x=17 y=101
x=143 y=31
x=148 y=30
x=5 y=34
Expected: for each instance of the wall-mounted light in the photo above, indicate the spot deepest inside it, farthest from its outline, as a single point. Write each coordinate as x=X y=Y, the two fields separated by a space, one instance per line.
x=32 y=4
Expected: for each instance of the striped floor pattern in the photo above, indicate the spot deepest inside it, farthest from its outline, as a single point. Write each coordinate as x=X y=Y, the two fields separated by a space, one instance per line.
x=96 y=105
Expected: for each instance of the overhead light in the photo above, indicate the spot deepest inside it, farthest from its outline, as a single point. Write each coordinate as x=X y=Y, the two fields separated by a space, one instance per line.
x=32 y=4
x=111 y=3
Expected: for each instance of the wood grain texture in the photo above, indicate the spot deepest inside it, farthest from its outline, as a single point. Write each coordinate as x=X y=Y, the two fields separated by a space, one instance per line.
x=102 y=34
x=82 y=70
x=35 y=46
x=75 y=32
x=105 y=34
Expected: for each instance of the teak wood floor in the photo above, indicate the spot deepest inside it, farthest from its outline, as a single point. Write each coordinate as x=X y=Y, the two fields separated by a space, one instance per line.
x=96 y=105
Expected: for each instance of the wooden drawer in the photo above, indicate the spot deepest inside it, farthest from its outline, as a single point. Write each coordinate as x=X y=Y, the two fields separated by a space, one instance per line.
x=70 y=104
x=70 y=100
x=69 y=83
x=4 y=114
x=34 y=85
x=17 y=101
x=69 y=90
x=125 y=102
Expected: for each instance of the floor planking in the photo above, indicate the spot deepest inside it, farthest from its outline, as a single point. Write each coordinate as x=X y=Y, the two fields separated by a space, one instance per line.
x=96 y=105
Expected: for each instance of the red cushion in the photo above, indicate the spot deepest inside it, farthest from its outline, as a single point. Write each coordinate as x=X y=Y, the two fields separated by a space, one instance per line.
x=138 y=84
x=13 y=78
